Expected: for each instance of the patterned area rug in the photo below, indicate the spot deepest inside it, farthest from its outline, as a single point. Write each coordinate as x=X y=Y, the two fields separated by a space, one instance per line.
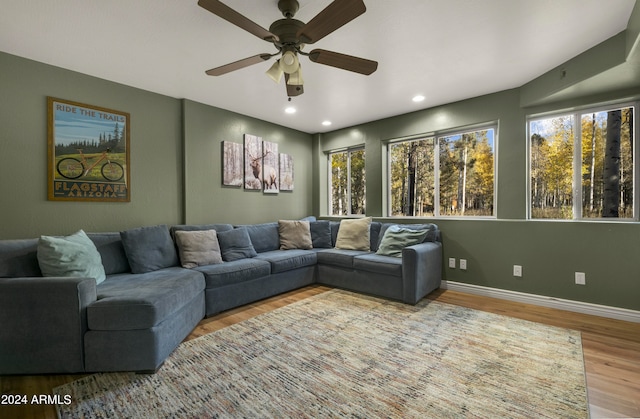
x=340 y=354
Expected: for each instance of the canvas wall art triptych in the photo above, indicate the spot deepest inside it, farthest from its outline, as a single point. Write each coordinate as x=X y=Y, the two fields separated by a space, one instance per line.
x=256 y=165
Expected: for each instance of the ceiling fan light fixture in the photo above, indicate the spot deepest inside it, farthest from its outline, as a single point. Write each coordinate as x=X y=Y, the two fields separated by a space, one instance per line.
x=295 y=79
x=289 y=62
x=275 y=72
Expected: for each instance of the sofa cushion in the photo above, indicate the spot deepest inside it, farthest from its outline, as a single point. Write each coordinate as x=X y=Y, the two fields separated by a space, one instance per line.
x=73 y=255
x=353 y=234
x=286 y=260
x=235 y=244
x=141 y=301
x=385 y=265
x=234 y=272
x=199 y=227
x=338 y=257
x=397 y=238
x=114 y=259
x=294 y=234
x=320 y=234
x=149 y=248
x=19 y=258
x=264 y=237
x=197 y=248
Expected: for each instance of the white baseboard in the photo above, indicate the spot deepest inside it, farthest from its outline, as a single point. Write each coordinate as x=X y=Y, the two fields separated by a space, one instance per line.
x=545 y=301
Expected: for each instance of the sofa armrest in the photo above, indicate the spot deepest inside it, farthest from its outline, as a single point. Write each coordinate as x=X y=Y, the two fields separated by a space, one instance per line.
x=421 y=270
x=42 y=324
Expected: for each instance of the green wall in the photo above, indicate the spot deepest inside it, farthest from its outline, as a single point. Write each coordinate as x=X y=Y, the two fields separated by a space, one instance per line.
x=156 y=153
x=207 y=200
x=549 y=251
x=175 y=158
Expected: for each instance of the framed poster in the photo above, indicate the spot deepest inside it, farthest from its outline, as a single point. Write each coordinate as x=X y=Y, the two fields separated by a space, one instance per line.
x=231 y=163
x=88 y=152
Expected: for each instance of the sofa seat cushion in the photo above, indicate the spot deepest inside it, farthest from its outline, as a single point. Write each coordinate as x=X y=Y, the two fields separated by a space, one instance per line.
x=233 y=272
x=339 y=257
x=141 y=301
x=385 y=265
x=286 y=260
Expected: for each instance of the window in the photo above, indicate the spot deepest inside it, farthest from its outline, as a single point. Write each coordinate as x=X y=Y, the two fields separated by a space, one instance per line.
x=581 y=165
x=462 y=185
x=347 y=195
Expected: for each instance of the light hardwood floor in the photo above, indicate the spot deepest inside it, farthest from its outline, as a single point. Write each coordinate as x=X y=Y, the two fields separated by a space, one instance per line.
x=611 y=351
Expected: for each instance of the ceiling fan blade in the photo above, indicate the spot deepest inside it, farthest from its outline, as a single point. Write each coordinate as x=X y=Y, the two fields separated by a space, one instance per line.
x=335 y=15
x=291 y=89
x=343 y=61
x=237 y=65
x=227 y=13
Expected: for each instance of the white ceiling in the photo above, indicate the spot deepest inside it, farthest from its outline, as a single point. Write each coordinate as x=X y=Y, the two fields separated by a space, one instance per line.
x=446 y=50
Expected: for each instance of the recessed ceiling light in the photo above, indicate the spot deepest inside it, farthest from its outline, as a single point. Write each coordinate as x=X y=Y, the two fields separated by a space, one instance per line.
x=290 y=110
x=326 y=123
x=418 y=98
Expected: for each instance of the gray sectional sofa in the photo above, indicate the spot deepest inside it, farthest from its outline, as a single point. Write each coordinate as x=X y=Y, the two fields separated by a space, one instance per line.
x=146 y=303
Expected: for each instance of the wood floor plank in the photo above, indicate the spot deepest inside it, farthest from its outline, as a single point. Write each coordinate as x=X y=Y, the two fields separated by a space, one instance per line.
x=611 y=351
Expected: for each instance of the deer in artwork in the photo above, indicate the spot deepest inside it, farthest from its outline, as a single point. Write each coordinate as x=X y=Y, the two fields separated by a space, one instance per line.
x=266 y=174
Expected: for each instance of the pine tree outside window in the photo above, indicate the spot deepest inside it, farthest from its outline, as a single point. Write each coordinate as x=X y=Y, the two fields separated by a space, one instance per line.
x=582 y=166
x=347 y=182
x=451 y=174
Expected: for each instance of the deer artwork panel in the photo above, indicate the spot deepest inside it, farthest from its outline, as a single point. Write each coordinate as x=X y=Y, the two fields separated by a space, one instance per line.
x=286 y=172
x=231 y=164
x=260 y=164
x=270 y=167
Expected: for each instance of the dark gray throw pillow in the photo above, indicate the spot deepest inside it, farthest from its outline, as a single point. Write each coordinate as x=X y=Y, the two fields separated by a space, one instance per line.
x=321 y=234
x=149 y=248
x=236 y=244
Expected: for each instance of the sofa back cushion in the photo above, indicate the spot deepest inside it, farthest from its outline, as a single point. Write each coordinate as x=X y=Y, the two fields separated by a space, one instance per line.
x=236 y=244
x=110 y=247
x=19 y=258
x=264 y=237
x=199 y=227
x=149 y=248
x=321 y=234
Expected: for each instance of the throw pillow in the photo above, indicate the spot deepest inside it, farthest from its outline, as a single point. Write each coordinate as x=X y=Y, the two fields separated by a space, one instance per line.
x=294 y=235
x=354 y=234
x=149 y=248
x=397 y=238
x=198 y=248
x=236 y=244
x=320 y=234
x=73 y=255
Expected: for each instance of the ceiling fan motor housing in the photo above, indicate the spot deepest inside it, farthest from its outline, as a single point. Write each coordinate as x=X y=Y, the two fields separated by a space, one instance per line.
x=288 y=7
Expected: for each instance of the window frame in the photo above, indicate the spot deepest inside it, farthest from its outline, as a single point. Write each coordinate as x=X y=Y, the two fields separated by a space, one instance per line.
x=436 y=136
x=576 y=164
x=349 y=151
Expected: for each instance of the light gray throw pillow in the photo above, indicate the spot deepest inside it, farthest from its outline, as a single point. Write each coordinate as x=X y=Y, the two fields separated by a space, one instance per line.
x=198 y=248
x=397 y=238
x=294 y=234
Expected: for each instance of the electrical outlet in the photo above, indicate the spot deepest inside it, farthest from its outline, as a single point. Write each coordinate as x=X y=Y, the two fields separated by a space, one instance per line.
x=452 y=263
x=581 y=278
x=463 y=264
x=517 y=270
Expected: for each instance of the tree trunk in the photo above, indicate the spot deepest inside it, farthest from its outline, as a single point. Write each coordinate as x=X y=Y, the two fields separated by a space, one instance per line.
x=611 y=173
x=592 y=169
x=411 y=181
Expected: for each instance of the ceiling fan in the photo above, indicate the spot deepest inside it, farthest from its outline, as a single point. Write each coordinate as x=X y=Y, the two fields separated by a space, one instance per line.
x=289 y=36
